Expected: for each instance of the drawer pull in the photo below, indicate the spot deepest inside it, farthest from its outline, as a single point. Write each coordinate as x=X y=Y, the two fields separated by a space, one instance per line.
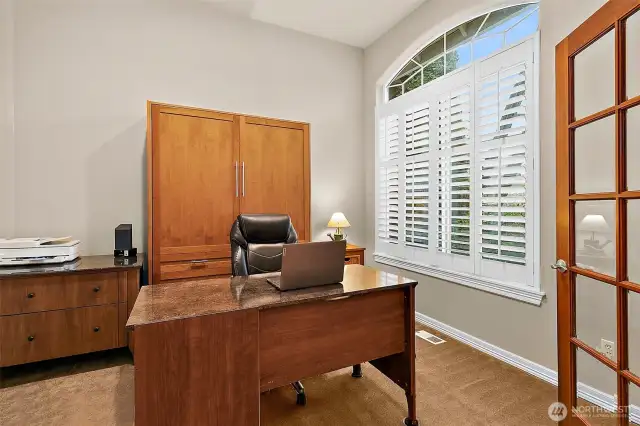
x=96 y=329
x=347 y=259
x=96 y=289
x=30 y=338
x=198 y=264
x=31 y=295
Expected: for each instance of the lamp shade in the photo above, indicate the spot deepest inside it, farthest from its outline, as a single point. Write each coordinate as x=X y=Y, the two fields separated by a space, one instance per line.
x=594 y=223
x=338 y=221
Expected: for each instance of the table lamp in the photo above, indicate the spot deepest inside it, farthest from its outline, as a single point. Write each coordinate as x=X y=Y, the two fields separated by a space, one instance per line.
x=338 y=221
x=594 y=223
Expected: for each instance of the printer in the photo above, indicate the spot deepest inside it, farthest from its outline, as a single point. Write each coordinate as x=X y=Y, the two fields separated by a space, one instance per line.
x=36 y=251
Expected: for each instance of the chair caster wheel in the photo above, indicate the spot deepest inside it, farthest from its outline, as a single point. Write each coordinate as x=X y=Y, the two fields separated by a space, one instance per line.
x=301 y=399
x=357 y=371
x=409 y=422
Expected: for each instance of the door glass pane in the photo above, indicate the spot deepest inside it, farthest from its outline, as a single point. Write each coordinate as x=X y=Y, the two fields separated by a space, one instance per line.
x=596 y=236
x=594 y=72
x=634 y=398
x=595 y=312
x=595 y=163
x=633 y=146
x=633 y=240
x=593 y=373
x=633 y=58
x=634 y=332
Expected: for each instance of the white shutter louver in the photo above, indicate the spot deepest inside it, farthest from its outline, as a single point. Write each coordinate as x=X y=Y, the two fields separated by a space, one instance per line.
x=389 y=138
x=417 y=204
x=454 y=172
x=389 y=211
x=416 y=139
x=502 y=159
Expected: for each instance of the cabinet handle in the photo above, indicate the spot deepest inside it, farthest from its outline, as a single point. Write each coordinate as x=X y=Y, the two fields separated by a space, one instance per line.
x=243 y=178
x=236 y=179
x=30 y=338
x=96 y=329
x=96 y=289
x=31 y=295
x=198 y=264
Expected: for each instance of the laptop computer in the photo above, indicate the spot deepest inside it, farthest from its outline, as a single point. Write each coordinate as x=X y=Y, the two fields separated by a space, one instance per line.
x=310 y=264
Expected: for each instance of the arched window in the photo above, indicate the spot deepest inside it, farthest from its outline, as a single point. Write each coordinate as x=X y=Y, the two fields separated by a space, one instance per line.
x=456 y=185
x=457 y=48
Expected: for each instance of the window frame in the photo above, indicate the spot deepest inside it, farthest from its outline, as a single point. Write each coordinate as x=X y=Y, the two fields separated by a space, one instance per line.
x=397 y=254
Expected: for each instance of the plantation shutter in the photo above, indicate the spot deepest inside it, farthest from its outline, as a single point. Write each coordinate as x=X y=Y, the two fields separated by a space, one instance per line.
x=417 y=204
x=502 y=158
x=389 y=211
x=389 y=180
x=417 y=131
x=454 y=172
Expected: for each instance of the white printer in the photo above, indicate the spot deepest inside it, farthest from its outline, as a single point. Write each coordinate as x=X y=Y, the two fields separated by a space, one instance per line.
x=35 y=251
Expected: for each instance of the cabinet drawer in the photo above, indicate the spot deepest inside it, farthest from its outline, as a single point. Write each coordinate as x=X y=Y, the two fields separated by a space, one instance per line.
x=353 y=259
x=54 y=334
x=36 y=294
x=195 y=269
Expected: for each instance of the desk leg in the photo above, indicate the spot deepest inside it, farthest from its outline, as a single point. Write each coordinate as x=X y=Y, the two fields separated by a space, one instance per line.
x=401 y=368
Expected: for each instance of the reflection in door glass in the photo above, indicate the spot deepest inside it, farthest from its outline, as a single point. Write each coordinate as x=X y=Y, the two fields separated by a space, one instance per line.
x=595 y=296
x=633 y=240
x=595 y=235
x=593 y=373
x=633 y=58
x=633 y=147
x=595 y=161
x=634 y=334
x=594 y=76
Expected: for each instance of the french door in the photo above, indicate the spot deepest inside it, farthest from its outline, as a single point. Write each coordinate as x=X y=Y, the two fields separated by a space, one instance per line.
x=598 y=215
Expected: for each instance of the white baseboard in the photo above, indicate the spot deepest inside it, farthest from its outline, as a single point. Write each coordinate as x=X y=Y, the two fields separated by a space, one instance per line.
x=588 y=393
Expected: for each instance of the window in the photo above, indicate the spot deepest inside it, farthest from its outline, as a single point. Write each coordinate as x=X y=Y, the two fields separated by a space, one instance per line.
x=456 y=187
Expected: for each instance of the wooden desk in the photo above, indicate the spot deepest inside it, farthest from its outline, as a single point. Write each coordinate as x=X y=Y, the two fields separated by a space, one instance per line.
x=206 y=349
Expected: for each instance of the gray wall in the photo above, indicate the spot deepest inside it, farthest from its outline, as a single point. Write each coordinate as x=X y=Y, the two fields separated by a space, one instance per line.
x=83 y=74
x=523 y=329
x=6 y=118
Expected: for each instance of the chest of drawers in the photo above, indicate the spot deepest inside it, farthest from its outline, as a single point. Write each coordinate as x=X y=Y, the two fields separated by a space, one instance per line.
x=50 y=312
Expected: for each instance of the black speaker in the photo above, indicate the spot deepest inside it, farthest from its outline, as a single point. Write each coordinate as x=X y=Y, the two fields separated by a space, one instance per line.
x=124 y=241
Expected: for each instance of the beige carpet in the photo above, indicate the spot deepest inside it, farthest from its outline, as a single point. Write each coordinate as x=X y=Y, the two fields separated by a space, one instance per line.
x=456 y=385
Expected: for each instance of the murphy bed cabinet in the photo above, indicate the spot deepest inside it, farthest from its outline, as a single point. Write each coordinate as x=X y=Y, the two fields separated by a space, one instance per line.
x=206 y=167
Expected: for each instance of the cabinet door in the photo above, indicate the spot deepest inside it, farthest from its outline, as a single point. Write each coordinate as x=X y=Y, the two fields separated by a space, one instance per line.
x=274 y=159
x=195 y=184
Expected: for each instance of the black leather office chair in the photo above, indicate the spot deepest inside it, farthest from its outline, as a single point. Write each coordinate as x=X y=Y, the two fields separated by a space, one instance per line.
x=256 y=248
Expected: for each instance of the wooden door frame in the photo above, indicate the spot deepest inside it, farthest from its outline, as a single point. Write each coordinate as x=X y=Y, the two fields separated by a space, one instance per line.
x=611 y=17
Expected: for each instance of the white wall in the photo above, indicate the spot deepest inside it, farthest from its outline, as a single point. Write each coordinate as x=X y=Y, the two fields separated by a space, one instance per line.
x=6 y=119
x=84 y=71
x=524 y=329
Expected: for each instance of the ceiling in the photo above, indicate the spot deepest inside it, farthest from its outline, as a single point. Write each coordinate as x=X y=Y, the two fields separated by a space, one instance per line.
x=355 y=22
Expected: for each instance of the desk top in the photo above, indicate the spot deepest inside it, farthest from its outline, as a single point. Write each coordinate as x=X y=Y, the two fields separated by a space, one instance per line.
x=82 y=264
x=167 y=302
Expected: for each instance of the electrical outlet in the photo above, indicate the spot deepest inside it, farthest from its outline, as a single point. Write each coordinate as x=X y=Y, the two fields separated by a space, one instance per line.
x=608 y=349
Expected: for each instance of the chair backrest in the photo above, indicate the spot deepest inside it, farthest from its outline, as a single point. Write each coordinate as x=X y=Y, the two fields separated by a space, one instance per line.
x=257 y=240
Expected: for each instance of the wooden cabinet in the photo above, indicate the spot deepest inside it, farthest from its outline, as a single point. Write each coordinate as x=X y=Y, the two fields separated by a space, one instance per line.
x=206 y=167
x=354 y=255
x=83 y=308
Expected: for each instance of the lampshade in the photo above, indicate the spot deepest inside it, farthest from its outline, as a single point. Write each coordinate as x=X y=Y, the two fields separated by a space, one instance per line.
x=338 y=221
x=594 y=223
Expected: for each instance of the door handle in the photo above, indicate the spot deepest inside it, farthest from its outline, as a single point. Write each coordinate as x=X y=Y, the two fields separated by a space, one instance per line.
x=560 y=265
x=236 y=179
x=243 y=178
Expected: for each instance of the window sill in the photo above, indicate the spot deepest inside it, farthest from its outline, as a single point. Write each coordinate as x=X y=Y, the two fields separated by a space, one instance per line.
x=528 y=295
